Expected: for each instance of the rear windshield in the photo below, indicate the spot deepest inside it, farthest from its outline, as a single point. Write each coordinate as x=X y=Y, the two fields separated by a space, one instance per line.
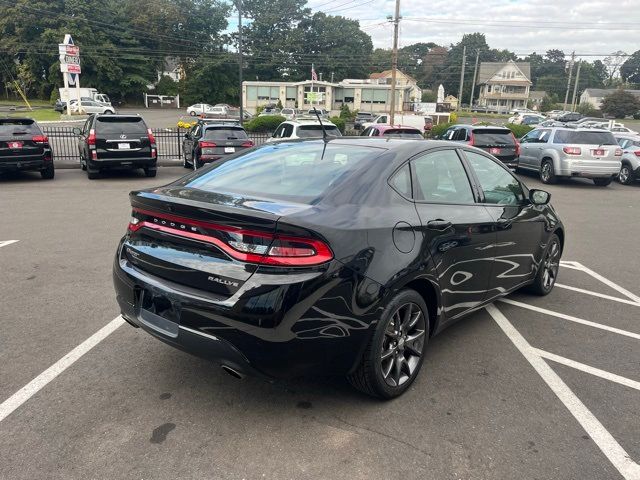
x=18 y=126
x=493 y=137
x=584 y=138
x=403 y=133
x=300 y=172
x=111 y=124
x=308 y=131
x=225 y=133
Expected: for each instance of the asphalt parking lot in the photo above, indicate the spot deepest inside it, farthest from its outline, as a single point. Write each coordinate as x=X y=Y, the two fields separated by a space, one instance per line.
x=531 y=388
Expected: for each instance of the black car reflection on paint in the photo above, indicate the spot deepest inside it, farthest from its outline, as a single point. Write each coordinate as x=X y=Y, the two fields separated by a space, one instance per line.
x=340 y=257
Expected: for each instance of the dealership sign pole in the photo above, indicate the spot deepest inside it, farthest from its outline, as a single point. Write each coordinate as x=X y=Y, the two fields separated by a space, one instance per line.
x=70 y=68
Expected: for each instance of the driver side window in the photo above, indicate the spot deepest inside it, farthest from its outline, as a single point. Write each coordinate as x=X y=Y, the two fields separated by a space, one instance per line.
x=498 y=185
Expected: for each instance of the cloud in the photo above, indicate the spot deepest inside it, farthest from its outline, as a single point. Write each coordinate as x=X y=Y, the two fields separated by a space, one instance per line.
x=586 y=27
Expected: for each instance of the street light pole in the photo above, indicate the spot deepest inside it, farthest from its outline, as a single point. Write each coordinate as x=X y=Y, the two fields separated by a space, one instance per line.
x=394 y=64
x=239 y=6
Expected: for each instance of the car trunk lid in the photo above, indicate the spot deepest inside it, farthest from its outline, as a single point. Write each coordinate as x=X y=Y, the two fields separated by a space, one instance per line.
x=20 y=138
x=120 y=137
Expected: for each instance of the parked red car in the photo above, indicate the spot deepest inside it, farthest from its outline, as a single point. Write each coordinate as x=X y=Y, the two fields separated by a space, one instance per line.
x=394 y=131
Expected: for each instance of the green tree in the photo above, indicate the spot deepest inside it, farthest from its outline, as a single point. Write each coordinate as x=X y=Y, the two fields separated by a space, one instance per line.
x=630 y=69
x=336 y=45
x=620 y=104
x=167 y=86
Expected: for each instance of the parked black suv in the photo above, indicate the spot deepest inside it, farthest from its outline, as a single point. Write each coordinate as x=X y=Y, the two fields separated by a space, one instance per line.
x=212 y=140
x=23 y=146
x=570 y=117
x=116 y=141
x=498 y=141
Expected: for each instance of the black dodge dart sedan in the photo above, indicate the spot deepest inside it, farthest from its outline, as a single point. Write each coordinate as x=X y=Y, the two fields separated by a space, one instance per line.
x=338 y=257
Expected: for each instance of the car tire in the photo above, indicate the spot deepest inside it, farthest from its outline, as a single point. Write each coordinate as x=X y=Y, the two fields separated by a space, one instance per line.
x=83 y=165
x=93 y=174
x=193 y=114
x=548 y=269
x=625 y=176
x=109 y=112
x=395 y=352
x=185 y=164
x=196 y=163
x=150 y=172
x=603 y=182
x=48 y=172
x=547 y=174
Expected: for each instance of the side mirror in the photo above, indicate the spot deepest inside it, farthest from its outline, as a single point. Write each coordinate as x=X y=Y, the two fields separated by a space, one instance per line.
x=539 y=197
x=76 y=131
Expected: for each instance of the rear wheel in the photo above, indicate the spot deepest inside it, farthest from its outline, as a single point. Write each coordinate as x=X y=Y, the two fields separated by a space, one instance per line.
x=547 y=174
x=626 y=175
x=548 y=270
x=48 y=172
x=83 y=165
x=394 y=355
x=108 y=112
x=603 y=182
x=92 y=174
x=185 y=164
x=150 y=172
x=193 y=114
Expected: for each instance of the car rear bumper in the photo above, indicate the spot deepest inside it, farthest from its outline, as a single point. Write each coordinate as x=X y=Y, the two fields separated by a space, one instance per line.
x=589 y=169
x=282 y=329
x=144 y=162
x=23 y=164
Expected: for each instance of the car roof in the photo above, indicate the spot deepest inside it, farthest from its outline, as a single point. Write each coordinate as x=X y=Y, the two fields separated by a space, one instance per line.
x=121 y=116
x=308 y=121
x=385 y=126
x=484 y=127
x=17 y=119
x=222 y=125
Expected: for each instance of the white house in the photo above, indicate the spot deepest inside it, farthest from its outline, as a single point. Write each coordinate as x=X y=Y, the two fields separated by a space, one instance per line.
x=504 y=85
x=594 y=96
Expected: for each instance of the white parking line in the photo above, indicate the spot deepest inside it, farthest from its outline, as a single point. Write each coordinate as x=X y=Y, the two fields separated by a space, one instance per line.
x=588 y=369
x=7 y=242
x=600 y=435
x=35 y=385
x=571 y=265
x=611 y=284
x=571 y=318
x=598 y=294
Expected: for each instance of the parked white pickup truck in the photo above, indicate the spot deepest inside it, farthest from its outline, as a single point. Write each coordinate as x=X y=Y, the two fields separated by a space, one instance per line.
x=422 y=122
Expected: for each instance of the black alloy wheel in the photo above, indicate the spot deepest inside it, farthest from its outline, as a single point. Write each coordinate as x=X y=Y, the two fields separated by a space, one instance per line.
x=395 y=352
x=549 y=268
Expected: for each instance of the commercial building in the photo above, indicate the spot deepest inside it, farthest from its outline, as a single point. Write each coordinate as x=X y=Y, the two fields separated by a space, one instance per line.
x=369 y=95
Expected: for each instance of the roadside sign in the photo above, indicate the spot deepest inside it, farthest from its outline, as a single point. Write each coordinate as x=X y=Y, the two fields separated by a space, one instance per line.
x=70 y=68
x=69 y=59
x=67 y=49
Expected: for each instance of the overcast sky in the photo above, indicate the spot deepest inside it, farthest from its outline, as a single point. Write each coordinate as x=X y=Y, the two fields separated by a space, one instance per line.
x=522 y=26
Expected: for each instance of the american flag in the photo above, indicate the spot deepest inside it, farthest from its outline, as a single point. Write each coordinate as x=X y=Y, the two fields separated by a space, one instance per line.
x=314 y=75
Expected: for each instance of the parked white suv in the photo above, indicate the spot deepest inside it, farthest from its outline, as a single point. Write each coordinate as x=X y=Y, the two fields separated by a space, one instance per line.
x=630 y=168
x=557 y=152
x=303 y=128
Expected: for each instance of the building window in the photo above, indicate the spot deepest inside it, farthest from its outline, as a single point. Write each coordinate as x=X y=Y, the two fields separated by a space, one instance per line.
x=292 y=93
x=370 y=95
x=252 y=94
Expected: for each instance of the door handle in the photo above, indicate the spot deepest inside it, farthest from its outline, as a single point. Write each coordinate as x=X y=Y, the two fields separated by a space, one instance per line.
x=438 y=224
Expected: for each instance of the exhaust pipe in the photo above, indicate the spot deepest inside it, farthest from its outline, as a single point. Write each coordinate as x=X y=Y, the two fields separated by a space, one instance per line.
x=234 y=373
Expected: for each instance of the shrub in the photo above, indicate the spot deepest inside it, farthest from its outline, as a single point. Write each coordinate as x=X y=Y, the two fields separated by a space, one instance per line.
x=439 y=129
x=345 y=112
x=338 y=122
x=259 y=109
x=636 y=116
x=519 y=131
x=453 y=117
x=182 y=124
x=268 y=123
x=55 y=95
x=279 y=105
x=587 y=110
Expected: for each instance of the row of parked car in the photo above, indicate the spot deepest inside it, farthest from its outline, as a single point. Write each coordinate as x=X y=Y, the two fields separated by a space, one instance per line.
x=117 y=141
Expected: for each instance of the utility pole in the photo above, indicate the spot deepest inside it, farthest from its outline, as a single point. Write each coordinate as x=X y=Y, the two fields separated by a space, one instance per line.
x=475 y=74
x=394 y=63
x=464 y=59
x=331 y=77
x=566 y=95
x=575 y=88
x=239 y=5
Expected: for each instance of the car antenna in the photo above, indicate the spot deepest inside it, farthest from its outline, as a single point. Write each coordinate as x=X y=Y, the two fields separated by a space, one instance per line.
x=324 y=132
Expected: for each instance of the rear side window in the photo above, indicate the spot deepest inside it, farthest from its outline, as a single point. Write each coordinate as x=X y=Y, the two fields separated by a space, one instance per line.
x=584 y=138
x=225 y=133
x=18 y=126
x=403 y=133
x=308 y=131
x=401 y=181
x=300 y=172
x=493 y=137
x=111 y=124
x=440 y=177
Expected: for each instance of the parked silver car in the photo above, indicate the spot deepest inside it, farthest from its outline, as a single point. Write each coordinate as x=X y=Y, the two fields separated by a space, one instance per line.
x=630 y=168
x=557 y=152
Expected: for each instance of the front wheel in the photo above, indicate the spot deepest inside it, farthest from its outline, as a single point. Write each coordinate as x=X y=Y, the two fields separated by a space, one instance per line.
x=548 y=270
x=395 y=352
x=625 y=176
x=603 y=182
